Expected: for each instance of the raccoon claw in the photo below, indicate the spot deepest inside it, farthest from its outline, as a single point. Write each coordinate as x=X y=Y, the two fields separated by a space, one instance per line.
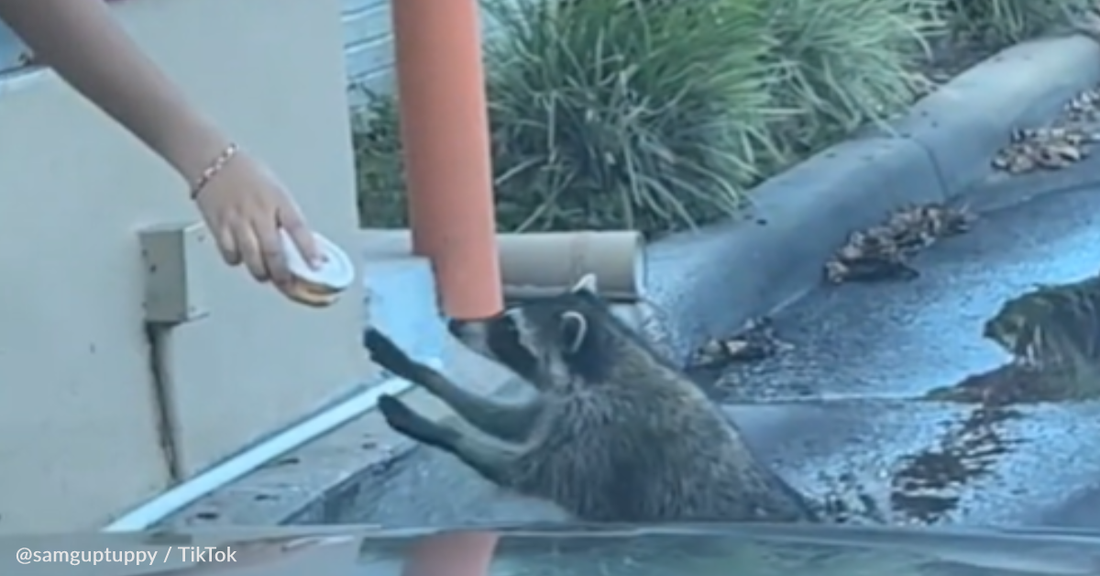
x=387 y=354
x=408 y=422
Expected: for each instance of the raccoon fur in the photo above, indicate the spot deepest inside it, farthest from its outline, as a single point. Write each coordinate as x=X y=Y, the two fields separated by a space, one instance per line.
x=614 y=434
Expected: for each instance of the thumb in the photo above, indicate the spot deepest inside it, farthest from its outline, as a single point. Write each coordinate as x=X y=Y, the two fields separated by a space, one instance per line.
x=303 y=238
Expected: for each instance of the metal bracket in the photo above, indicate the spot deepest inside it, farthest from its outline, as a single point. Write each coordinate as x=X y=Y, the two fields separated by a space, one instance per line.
x=174 y=289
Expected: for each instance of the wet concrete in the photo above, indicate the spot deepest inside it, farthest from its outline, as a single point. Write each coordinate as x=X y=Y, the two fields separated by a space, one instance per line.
x=845 y=401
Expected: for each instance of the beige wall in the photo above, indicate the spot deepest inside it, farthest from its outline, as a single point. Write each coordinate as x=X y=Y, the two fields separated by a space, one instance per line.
x=78 y=424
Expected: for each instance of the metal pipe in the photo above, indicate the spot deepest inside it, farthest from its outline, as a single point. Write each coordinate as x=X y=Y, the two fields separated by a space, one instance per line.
x=445 y=139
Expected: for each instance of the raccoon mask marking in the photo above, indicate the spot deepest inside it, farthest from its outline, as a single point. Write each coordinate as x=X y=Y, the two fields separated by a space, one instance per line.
x=548 y=344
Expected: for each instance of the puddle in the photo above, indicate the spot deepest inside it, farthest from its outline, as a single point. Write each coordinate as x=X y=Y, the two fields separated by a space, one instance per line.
x=928 y=484
x=967 y=396
x=1008 y=384
x=1053 y=335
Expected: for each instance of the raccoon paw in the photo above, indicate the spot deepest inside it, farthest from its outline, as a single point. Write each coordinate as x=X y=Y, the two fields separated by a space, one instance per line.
x=387 y=354
x=410 y=423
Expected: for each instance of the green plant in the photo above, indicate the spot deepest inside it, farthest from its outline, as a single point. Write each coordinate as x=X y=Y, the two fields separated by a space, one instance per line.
x=625 y=113
x=658 y=115
x=1003 y=22
x=376 y=141
x=844 y=63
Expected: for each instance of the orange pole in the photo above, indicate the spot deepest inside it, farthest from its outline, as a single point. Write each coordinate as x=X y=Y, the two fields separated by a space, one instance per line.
x=445 y=134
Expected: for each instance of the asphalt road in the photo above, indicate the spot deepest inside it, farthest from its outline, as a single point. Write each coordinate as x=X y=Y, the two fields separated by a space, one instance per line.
x=841 y=408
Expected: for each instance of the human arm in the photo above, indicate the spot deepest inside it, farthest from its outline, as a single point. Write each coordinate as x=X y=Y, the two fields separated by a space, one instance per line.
x=243 y=204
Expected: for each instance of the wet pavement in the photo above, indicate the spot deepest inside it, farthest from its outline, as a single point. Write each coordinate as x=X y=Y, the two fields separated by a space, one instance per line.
x=844 y=406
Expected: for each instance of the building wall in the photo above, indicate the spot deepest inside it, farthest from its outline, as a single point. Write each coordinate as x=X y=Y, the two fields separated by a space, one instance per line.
x=80 y=429
x=366 y=29
x=368 y=43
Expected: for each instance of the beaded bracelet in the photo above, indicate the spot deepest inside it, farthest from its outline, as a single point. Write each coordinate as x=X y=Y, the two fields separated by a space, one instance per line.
x=213 y=169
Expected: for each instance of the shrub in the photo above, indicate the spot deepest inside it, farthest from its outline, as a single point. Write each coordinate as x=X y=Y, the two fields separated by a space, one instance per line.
x=376 y=142
x=625 y=113
x=657 y=115
x=844 y=63
x=607 y=114
x=999 y=23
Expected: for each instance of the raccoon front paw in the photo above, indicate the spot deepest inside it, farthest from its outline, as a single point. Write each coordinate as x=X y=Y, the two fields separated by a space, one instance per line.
x=407 y=421
x=387 y=355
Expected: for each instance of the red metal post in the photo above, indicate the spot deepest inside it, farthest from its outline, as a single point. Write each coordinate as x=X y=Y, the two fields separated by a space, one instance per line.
x=444 y=130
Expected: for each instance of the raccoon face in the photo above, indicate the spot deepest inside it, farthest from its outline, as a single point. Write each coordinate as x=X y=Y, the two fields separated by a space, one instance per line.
x=1008 y=330
x=543 y=341
x=1038 y=328
x=1020 y=328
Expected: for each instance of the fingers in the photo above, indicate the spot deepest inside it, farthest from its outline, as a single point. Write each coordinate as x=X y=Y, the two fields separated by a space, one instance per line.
x=227 y=245
x=271 y=250
x=249 y=245
x=295 y=226
x=259 y=245
x=245 y=207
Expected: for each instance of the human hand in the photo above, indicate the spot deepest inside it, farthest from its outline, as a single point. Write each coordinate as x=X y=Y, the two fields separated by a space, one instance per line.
x=244 y=207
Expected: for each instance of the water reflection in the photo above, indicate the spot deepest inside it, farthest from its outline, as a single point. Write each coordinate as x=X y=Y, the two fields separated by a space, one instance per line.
x=1053 y=335
x=928 y=484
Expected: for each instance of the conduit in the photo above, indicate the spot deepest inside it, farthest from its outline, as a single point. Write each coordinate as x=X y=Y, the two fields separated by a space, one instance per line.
x=534 y=265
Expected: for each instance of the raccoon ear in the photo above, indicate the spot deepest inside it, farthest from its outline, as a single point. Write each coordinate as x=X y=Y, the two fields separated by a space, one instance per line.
x=587 y=283
x=574 y=328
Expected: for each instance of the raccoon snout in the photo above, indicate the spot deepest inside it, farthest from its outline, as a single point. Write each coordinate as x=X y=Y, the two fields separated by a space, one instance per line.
x=467 y=330
x=455 y=327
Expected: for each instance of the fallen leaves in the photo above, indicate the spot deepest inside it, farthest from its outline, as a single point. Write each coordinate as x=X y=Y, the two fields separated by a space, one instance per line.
x=1063 y=143
x=755 y=341
x=1042 y=149
x=882 y=252
x=878 y=253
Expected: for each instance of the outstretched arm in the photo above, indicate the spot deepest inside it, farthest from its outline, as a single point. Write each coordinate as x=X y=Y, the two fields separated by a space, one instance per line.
x=242 y=202
x=81 y=40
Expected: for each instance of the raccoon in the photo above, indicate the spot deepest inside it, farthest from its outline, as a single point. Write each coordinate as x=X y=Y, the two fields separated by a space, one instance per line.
x=1053 y=328
x=614 y=434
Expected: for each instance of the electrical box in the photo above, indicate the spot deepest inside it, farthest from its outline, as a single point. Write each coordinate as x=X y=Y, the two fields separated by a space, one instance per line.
x=172 y=255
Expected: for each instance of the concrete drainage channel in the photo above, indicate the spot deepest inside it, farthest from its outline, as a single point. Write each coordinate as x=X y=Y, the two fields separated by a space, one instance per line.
x=704 y=284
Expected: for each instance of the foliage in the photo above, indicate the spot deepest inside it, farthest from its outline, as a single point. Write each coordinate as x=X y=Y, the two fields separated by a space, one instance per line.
x=844 y=63
x=619 y=113
x=625 y=113
x=376 y=141
x=1003 y=22
x=658 y=115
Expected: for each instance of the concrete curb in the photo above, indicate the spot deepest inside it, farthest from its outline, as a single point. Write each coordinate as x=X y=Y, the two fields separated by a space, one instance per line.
x=708 y=283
